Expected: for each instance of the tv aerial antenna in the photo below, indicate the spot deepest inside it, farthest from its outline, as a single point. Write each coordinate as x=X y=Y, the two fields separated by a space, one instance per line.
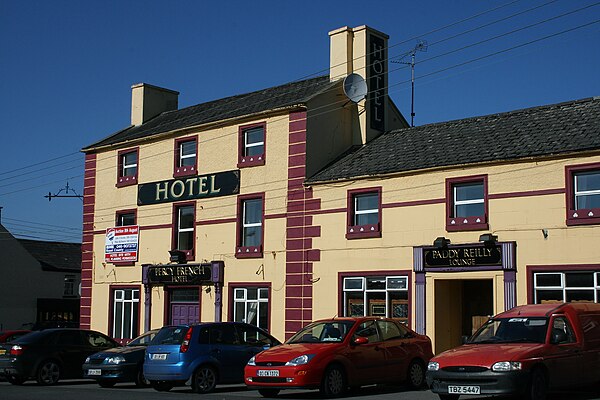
x=420 y=46
x=66 y=191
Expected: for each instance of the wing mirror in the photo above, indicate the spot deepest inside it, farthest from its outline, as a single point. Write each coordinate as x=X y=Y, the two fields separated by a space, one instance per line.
x=361 y=340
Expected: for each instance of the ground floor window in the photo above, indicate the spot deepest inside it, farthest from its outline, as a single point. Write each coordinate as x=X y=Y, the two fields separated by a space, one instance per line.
x=126 y=311
x=571 y=286
x=385 y=296
x=251 y=305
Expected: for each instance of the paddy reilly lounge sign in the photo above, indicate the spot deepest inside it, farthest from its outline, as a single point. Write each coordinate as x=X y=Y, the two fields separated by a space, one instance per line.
x=470 y=256
x=189 y=188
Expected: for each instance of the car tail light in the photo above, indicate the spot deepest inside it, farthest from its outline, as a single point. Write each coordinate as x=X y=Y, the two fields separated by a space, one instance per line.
x=185 y=345
x=16 y=350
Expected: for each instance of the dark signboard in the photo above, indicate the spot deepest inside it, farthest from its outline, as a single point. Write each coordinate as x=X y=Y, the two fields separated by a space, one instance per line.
x=377 y=74
x=189 y=188
x=172 y=274
x=470 y=256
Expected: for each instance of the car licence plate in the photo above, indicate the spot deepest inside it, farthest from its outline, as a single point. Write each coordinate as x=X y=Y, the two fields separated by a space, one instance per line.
x=94 y=372
x=464 y=389
x=159 y=356
x=268 y=372
x=2 y=352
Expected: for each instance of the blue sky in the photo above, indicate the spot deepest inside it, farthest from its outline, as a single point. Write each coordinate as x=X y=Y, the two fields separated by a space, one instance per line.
x=66 y=70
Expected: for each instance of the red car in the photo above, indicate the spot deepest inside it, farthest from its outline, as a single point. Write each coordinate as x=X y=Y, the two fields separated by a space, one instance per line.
x=334 y=354
x=7 y=336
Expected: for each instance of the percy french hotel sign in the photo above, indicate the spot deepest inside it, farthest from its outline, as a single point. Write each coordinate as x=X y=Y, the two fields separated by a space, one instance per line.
x=189 y=188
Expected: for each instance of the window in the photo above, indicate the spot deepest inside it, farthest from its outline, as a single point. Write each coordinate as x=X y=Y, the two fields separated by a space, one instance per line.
x=583 y=194
x=126 y=218
x=186 y=160
x=364 y=213
x=252 y=145
x=250 y=226
x=127 y=168
x=126 y=310
x=184 y=216
x=69 y=288
x=251 y=305
x=385 y=296
x=558 y=287
x=250 y=336
x=467 y=203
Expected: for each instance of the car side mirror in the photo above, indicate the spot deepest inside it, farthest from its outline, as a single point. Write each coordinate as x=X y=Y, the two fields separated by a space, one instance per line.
x=465 y=339
x=558 y=336
x=360 y=340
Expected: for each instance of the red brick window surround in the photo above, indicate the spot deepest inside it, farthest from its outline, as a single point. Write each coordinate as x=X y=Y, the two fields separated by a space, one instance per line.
x=186 y=157
x=184 y=228
x=252 y=145
x=364 y=213
x=250 y=223
x=127 y=167
x=467 y=203
x=583 y=194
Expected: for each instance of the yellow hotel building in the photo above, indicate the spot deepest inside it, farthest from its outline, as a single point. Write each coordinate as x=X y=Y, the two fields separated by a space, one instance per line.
x=316 y=199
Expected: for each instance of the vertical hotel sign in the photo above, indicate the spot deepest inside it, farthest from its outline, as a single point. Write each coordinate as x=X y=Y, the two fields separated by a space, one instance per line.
x=121 y=244
x=377 y=72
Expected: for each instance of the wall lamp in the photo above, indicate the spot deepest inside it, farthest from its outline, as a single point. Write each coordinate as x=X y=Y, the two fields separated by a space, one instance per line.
x=488 y=239
x=441 y=242
x=177 y=256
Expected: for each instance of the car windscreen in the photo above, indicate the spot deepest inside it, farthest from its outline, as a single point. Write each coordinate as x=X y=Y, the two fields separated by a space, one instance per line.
x=512 y=330
x=170 y=335
x=322 y=332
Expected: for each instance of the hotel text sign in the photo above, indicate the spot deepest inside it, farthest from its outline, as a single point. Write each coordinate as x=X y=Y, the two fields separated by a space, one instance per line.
x=377 y=73
x=197 y=274
x=189 y=188
x=463 y=257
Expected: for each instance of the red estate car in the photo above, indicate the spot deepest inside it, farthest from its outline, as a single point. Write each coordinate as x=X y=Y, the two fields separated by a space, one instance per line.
x=332 y=355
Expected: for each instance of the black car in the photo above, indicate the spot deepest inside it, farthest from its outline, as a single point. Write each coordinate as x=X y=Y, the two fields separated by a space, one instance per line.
x=50 y=355
x=119 y=364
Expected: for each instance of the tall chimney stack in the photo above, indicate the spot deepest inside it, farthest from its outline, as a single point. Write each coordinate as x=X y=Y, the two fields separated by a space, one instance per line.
x=147 y=101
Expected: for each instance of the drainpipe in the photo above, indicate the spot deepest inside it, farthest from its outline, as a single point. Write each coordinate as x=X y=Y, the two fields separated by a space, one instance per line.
x=147 y=297
x=217 y=280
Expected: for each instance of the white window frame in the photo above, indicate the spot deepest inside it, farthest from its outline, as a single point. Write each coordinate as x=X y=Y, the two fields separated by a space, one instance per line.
x=182 y=156
x=366 y=291
x=563 y=285
x=240 y=295
x=583 y=193
x=457 y=202
x=181 y=230
x=358 y=212
x=69 y=286
x=250 y=224
x=126 y=167
x=119 y=299
x=254 y=144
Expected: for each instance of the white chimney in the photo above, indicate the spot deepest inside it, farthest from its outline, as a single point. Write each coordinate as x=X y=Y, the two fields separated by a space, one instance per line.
x=147 y=101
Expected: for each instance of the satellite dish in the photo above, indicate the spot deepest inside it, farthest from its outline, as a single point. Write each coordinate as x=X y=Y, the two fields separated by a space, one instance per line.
x=355 y=87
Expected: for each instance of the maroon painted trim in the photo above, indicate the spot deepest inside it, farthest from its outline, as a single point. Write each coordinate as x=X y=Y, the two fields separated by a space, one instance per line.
x=251 y=161
x=87 y=246
x=362 y=231
x=189 y=254
x=413 y=203
x=400 y=272
x=179 y=171
x=532 y=269
x=127 y=180
x=531 y=193
x=249 y=251
x=581 y=216
x=259 y=285
x=216 y=221
x=475 y=222
x=276 y=216
x=111 y=305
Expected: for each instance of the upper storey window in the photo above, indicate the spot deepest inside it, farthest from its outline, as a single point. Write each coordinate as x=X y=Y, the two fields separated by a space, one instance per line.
x=127 y=167
x=250 y=226
x=364 y=213
x=186 y=157
x=252 y=145
x=467 y=203
x=583 y=194
x=184 y=217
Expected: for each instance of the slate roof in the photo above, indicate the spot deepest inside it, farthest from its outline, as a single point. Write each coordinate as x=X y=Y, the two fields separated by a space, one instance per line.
x=278 y=97
x=556 y=129
x=54 y=256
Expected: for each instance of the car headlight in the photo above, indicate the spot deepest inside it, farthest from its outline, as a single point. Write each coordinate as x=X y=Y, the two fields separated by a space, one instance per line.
x=433 y=366
x=114 y=360
x=503 y=366
x=303 y=359
x=87 y=360
x=252 y=361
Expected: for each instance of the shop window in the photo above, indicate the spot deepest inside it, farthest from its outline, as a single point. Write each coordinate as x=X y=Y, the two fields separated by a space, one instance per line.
x=250 y=226
x=126 y=218
x=252 y=145
x=385 y=296
x=251 y=305
x=559 y=287
x=127 y=167
x=184 y=231
x=583 y=194
x=364 y=213
x=125 y=312
x=70 y=282
x=467 y=203
x=186 y=157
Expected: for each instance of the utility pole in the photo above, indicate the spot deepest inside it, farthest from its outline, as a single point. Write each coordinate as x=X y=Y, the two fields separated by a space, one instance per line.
x=66 y=189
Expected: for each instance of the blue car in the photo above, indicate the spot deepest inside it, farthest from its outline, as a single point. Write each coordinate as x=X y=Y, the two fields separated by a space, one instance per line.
x=203 y=355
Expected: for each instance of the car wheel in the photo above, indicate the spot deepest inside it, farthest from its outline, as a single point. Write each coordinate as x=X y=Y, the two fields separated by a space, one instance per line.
x=269 y=393
x=449 y=396
x=48 y=373
x=106 y=384
x=140 y=379
x=15 y=380
x=161 y=386
x=334 y=382
x=205 y=379
x=416 y=374
x=538 y=386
